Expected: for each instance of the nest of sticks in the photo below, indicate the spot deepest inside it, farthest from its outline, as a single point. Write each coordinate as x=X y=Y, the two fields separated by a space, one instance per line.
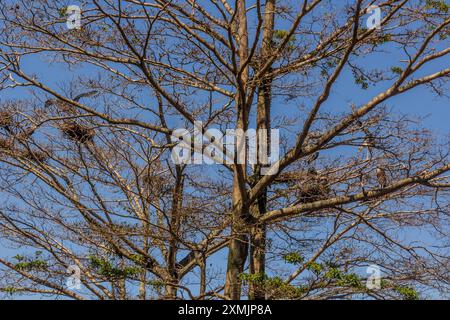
x=77 y=132
x=308 y=184
x=6 y=144
x=315 y=190
x=38 y=156
x=6 y=119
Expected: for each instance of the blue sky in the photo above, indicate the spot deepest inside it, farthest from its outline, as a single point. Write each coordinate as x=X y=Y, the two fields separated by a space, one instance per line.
x=420 y=101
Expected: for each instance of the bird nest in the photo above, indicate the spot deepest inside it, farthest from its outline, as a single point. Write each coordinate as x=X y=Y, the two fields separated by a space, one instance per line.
x=77 y=132
x=6 y=144
x=6 y=118
x=61 y=106
x=316 y=190
x=308 y=184
x=153 y=182
x=37 y=156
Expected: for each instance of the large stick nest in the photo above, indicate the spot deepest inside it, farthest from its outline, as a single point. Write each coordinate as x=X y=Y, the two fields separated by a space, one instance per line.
x=6 y=144
x=154 y=181
x=308 y=184
x=313 y=191
x=32 y=155
x=37 y=156
x=77 y=132
x=61 y=106
x=6 y=119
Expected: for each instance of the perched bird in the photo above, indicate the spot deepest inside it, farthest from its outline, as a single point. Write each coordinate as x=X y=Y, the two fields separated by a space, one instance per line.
x=6 y=144
x=312 y=172
x=363 y=182
x=368 y=142
x=49 y=103
x=381 y=177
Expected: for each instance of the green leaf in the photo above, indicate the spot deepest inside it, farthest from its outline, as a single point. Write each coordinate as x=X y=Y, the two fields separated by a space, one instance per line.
x=407 y=293
x=438 y=5
x=396 y=70
x=293 y=258
x=315 y=267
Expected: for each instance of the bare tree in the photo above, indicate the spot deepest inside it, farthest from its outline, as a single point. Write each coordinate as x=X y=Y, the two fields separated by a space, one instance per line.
x=87 y=179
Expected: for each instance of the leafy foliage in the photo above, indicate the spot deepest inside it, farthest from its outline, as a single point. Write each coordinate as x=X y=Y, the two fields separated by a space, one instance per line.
x=439 y=5
x=275 y=286
x=279 y=35
x=361 y=80
x=31 y=263
x=293 y=258
x=407 y=293
x=315 y=267
x=396 y=70
x=108 y=270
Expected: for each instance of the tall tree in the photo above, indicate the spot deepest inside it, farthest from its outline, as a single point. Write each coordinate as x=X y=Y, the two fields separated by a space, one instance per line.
x=88 y=180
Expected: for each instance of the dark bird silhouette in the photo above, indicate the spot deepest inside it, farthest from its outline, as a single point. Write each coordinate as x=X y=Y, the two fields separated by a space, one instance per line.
x=49 y=102
x=85 y=95
x=381 y=177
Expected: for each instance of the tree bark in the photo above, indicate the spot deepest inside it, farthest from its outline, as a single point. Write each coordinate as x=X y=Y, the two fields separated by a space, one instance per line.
x=238 y=247
x=258 y=232
x=171 y=288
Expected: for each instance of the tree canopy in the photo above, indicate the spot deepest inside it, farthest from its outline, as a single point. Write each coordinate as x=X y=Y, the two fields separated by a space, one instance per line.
x=88 y=183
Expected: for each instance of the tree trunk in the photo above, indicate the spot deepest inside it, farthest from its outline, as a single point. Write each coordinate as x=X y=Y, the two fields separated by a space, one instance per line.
x=258 y=256
x=238 y=246
x=258 y=232
x=171 y=290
